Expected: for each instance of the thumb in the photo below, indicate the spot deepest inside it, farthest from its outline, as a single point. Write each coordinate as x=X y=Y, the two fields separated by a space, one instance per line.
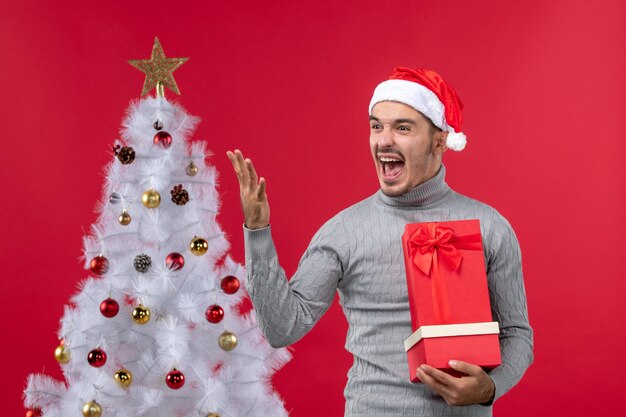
x=466 y=368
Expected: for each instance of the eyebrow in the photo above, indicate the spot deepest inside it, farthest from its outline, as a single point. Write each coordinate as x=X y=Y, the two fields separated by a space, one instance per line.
x=397 y=121
x=409 y=121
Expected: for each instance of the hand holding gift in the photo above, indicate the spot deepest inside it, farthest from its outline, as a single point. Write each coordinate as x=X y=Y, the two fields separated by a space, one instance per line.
x=475 y=387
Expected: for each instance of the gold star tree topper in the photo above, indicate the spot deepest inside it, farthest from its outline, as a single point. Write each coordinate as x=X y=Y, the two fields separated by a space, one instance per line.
x=159 y=70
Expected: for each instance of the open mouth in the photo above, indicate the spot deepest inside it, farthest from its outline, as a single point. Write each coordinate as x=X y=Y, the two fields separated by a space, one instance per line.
x=391 y=167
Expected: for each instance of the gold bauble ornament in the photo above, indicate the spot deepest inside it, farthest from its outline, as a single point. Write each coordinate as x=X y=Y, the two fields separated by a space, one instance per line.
x=192 y=169
x=141 y=314
x=227 y=341
x=151 y=199
x=124 y=218
x=198 y=246
x=123 y=377
x=212 y=415
x=92 y=409
x=62 y=354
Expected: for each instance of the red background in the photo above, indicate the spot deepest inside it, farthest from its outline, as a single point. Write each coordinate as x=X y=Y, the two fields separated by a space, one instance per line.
x=289 y=83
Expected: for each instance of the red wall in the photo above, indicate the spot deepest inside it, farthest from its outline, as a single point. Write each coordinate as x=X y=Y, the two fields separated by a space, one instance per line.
x=289 y=83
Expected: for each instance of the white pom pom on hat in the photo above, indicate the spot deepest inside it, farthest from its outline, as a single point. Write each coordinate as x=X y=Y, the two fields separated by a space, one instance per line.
x=456 y=141
x=427 y=92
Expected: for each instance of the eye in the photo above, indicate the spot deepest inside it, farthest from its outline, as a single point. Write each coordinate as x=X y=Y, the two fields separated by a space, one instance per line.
x=375 y=126
x=404 y=128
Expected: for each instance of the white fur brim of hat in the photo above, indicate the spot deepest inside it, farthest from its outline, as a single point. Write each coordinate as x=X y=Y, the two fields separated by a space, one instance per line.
x=421 y=99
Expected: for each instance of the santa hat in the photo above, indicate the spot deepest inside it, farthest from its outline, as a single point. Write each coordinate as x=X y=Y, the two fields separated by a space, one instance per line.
x=427 y=92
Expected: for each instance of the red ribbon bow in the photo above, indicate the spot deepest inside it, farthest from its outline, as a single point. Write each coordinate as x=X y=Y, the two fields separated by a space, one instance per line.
x=428 y=245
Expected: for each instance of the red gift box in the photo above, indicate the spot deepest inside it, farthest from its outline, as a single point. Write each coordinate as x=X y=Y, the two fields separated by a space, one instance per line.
x=448 y=297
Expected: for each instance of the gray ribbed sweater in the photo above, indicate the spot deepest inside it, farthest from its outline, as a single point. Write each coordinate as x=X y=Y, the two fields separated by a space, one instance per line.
x=359 y=254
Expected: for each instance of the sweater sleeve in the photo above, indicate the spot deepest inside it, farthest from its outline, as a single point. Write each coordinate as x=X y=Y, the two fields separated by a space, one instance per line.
x=508 y=305
x=287 y=310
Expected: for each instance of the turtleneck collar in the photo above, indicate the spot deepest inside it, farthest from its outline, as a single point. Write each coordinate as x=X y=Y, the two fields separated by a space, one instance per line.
x=421 y=195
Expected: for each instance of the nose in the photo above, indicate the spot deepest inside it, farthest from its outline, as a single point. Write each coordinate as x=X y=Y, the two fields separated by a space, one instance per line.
x=385 y=138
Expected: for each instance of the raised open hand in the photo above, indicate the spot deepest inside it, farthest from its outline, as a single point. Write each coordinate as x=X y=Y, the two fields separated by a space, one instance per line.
x=256 y=209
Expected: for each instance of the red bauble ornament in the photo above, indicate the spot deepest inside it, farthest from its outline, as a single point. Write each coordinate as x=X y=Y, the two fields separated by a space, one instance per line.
x=109 y=308
x=97 y=358
x=99 y=265
x=33 y=412
x=175 y=379
x=163 y=139
x=175 y=261
x=214 y=314
x=230 y=284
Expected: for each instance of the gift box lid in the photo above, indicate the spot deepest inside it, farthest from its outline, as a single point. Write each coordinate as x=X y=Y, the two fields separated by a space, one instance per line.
x=449 y=330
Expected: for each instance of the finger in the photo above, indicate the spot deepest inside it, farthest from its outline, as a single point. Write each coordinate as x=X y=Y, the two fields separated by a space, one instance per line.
x=242 y=172
x=466 y=368
x=432 y=383
x=233 y=159
x=260 y=191
x=439 y=376
x=251 y=174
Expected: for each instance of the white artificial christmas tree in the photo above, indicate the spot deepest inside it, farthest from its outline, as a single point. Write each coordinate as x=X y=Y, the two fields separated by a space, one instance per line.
x=156 y=331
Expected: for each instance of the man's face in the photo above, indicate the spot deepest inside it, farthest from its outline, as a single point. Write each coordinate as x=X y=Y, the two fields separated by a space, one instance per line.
x=406 y=149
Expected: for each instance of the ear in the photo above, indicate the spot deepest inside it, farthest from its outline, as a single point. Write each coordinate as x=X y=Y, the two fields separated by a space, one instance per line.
x=441 y=142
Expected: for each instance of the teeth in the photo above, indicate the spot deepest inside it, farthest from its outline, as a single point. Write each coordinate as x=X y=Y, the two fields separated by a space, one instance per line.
x=389 y=160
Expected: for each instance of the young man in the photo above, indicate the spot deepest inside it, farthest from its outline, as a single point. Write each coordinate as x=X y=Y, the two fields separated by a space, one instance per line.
x=415 y=116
